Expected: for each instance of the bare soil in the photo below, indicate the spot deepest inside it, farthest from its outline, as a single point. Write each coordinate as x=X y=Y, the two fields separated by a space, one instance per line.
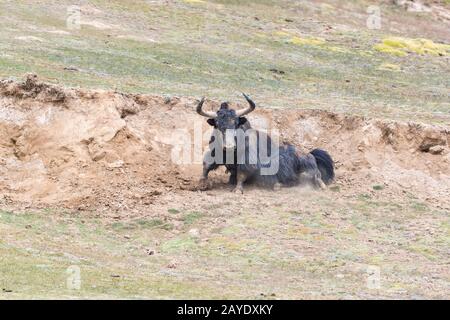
x=93 y=149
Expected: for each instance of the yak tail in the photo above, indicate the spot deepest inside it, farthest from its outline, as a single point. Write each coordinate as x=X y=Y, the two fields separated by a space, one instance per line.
x=325 y=165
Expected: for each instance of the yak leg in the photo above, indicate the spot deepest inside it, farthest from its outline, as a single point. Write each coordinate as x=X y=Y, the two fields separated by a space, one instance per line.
x=322 y=185
x=240 y=177
x=233 y=176
x=319 y=182
x=207 y=167
x=277 y=186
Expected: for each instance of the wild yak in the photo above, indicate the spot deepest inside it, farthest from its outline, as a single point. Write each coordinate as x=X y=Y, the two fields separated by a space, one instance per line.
x=251 y=155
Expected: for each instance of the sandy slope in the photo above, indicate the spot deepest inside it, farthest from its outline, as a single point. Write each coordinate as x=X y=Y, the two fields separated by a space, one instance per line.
x=87 y=149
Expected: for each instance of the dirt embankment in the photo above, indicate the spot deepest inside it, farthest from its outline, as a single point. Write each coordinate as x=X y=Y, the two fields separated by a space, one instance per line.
x=89 y=149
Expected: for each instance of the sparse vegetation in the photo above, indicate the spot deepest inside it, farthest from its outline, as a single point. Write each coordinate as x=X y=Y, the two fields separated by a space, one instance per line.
x=192 y=217
x=294 y=243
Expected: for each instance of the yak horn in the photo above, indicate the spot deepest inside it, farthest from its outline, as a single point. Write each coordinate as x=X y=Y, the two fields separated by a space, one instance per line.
x=201 y=112
x=247 y=110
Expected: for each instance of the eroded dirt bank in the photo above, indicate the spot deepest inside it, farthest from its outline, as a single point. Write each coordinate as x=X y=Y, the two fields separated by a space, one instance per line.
x=89 y=149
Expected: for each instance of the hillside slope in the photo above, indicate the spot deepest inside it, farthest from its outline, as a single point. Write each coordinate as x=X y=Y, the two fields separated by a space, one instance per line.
x=287 y=54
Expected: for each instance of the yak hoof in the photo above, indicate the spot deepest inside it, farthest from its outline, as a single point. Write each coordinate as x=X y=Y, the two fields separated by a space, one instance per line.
x=203 y=184
x=238 y=190
x=277 y=186
x=321 y=184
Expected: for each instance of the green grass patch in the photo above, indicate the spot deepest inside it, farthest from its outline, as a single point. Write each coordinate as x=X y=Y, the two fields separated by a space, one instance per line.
x=192 y=217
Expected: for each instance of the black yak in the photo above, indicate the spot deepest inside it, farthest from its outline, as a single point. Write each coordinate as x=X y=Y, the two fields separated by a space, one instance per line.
x=251 y=155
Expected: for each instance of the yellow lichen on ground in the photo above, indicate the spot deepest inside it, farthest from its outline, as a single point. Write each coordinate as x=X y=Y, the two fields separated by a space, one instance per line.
x=307 y=41
x=339 y=49
x=389 y=67
x=194 y=1
x=281 y=33
x=386 y=49
x=292 y=38
x=320 y=43
x=326 y=7
x=261 y=35
x=403 y=46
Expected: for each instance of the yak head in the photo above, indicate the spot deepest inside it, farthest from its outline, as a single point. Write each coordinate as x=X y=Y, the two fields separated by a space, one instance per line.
x=227 y=121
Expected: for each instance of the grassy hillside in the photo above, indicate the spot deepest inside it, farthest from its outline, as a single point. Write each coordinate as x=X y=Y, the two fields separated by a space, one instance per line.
x=288 y=54
x=295 y=246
